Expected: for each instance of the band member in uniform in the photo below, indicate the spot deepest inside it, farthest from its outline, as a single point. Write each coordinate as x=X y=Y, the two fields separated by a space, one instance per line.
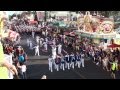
x=77 y=57
x=43 y=32
x=62 y=62
x=33 y=34
x=37 y=50
x=50 y=62
x=67 y=61
x=46 y=40
x=64 y=38
x=57 y=62
x=28 y=42
x=45 y=46
x=54 y=41
x=40 y=40
x=31 y=44
x=37 y=39
x=46 y=32
x=72 y=60
x=54 y=54
x=82 y=59
x=59 y=48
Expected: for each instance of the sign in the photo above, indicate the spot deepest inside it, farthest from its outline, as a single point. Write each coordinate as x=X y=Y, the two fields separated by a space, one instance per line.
x=40 y=15
x=106 y=26
x=12 y=35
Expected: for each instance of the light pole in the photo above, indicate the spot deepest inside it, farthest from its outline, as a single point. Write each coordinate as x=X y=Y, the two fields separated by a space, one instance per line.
x=46 y=15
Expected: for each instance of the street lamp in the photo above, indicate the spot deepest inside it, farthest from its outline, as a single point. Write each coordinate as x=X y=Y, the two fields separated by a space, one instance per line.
x=45 y=16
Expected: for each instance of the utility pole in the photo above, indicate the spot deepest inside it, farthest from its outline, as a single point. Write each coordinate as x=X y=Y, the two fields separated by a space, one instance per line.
x=45 y=16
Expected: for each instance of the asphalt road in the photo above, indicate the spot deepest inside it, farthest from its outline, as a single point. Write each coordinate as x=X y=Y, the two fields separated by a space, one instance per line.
x=38 y=66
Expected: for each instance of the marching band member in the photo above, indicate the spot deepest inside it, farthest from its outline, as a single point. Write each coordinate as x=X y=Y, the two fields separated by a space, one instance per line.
x=37 y=39
x=50 y=62
x=33 y=34
x=37 y=50
x=43 y=32
x=54 y=54
x=45 y=46
x=82 y=59
x=59 y=48
x=77 y=59
x=62 y=62
x=64 y=38
x=46 y=32
x=46 y=40
x=41 y=40
x=57 y=62
x=54 y=41
x=28 y=42
x=67 y=61
x=72 y=60
x=31 y=44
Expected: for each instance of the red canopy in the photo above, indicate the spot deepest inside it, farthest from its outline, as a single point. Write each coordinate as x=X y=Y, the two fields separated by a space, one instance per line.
x=113 y=45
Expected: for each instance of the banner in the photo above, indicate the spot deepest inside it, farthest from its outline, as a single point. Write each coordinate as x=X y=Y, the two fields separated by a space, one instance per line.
x=12 y=35
x=40 y=15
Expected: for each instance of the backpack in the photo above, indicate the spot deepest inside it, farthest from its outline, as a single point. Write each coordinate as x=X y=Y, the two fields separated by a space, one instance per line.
x=21 y=58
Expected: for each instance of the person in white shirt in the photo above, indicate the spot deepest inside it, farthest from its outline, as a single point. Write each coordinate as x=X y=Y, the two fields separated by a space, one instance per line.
x=33 y=34
x=37 y=39
x=45 y=46
x=59 y=48
x=37 y=50
x=57 y=62
x=23 y=69
x=64 y=38
x=54 y=41
x=82 y=59
x=46 y=32
x=67 y=61
x=41 y=40
x=72 y=60
x=46 y=40
x=43 y=33
x=78 y=60
x=28 y=42
x=50 y=62
x=54 y=54
x=31 y=44
x=62 y=62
